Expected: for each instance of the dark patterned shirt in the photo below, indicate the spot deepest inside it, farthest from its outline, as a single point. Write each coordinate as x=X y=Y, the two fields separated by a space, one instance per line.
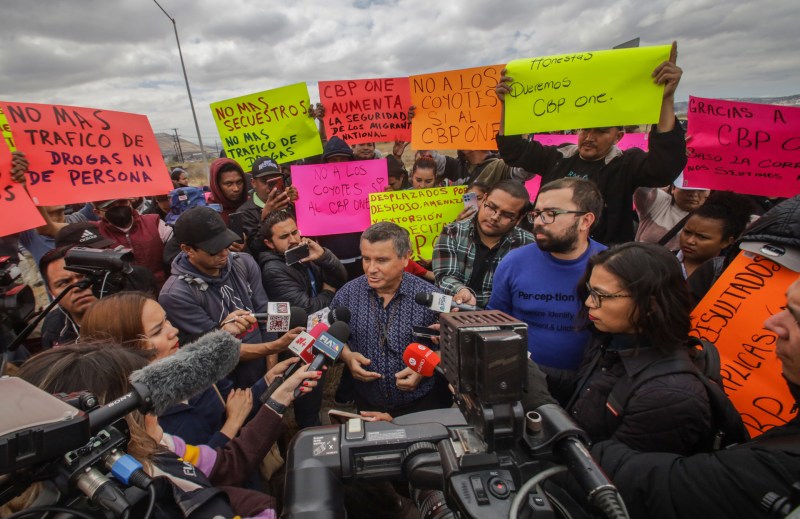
x=382 y=334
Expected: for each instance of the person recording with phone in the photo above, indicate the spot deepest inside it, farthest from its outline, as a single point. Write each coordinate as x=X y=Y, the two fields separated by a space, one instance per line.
x=270 y=194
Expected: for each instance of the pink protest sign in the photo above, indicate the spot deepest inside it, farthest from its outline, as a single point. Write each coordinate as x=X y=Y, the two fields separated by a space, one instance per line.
x=334 y=198
x=743 y=147
x=19 y=213
x=532 y=186
x=629 y=140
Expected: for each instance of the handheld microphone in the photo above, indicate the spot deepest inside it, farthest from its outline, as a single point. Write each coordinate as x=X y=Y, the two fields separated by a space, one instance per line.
x=302 y=346
x=329 y=316
x=281 y=317
x=422 y=360
x=329 y=345
x=173 y=379
x=440 y=302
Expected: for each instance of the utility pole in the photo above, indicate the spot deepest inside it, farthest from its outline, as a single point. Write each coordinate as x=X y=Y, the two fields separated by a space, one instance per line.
x=178 y=145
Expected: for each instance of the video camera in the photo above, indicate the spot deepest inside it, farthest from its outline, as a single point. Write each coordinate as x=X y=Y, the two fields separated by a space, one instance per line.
x=71 y=451
x=17 y=301
x=106 y=269
x=485 y=459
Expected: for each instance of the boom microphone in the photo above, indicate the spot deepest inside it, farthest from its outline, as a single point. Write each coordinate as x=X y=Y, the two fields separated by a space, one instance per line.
x=440 y=302
x=173 y=379
x=422 y=360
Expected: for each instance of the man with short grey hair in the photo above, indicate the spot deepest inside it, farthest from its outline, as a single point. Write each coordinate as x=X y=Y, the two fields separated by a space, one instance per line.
x=383 y=313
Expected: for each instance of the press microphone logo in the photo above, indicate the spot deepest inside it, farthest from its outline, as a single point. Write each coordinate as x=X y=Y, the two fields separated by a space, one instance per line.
x=412 y=361
x=441 y=303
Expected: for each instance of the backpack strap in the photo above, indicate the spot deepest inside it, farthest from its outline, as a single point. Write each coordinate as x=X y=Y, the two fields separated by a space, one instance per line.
x=675 y=229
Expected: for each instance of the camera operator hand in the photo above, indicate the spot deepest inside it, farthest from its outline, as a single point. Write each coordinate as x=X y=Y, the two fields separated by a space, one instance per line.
x=355 y=361
x=302 y=378
x=407 y=379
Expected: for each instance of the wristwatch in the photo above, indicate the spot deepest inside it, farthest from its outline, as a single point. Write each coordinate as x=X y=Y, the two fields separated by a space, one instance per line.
x=276 y=406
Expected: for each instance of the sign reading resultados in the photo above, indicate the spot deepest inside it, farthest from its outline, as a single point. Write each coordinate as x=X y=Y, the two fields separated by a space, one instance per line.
x=732 y=316
x=334 y=198
x=79 y=154
x=273 y=123
x=422 y=212
x=744 y=147
x=584 y=90
x=14 y=200
x=366 y=110
x=456 y=109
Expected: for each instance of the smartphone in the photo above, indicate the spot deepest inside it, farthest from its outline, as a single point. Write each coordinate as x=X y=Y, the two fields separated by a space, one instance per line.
x=340 y=417
x=424 y=331
x=235 y=224
x=471 y=201
x=296 y=254
x=277 y=182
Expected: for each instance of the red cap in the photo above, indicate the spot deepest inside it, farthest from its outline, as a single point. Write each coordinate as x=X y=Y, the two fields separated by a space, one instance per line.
x=421 y=359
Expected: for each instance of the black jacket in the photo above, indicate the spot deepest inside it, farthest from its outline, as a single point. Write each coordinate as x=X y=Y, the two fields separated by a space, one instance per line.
x=667 y=414
x=623 y=172
x=292 y=283
x=728 y=483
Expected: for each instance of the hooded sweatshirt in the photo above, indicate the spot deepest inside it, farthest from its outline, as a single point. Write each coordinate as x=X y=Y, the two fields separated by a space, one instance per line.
x=217 y=197
x=197 y=303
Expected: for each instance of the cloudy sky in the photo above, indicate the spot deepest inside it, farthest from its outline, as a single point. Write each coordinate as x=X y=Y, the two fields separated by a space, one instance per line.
x=121 y=54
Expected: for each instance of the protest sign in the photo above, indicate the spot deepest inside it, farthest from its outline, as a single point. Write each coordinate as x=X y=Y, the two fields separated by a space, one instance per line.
x=5 y=129
x=456 y=110
x=532 y=186
x=334 y=198
x=732 y=316
x=422 y=212
x=78 y=154
x=628 y=141
x=367 y=110
x=743 y=147
x=584 y=90
x=19 y=213
x=273 y=123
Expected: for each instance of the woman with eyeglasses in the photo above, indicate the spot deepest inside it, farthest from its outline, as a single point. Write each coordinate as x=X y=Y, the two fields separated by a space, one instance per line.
x=637 y=305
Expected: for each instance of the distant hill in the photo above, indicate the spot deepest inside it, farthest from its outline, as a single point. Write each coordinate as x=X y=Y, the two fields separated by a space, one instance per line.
x=793 y=100
x=166 y=141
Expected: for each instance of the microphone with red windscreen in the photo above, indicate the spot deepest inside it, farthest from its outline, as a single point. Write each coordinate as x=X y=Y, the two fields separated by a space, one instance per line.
x=422 y=359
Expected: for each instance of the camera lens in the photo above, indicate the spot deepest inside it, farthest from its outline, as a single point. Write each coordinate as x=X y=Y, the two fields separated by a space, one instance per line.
x=432 y=505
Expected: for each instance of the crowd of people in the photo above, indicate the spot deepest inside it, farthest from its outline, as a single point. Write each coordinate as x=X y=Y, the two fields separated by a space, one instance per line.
x=604 y=266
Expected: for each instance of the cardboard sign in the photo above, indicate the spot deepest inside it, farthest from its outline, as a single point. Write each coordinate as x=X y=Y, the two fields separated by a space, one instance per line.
x=422 y=212
x=78 y=154
x=367 y=110
x=273 y=123
x=19 y=213
x=732 y=316
x=628 y=141
x=334 y=198
x=584 y=90
x=456 y=110
x=743 y=147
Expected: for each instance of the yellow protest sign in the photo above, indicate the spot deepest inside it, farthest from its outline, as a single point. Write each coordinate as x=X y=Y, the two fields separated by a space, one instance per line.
x=456 y=110
x=5 y=129
x=422 y=212
x=273 y=123
x=584 y=90
x=732 y=316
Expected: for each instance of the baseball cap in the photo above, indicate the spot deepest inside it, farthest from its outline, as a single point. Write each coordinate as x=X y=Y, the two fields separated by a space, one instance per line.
x=784 y=255
x=82 y=234
x=680 y=181
x=204 y=228
x=264 y=166
x=104 y=204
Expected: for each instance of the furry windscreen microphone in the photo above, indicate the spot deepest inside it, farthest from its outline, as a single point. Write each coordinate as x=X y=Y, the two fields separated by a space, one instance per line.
x=189 y=371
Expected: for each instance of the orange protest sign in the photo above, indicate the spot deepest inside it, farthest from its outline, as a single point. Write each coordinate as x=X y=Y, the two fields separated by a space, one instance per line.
x=366 y=110
x=86 y=154
x=16 y=207
x=732 y=316
x=457 y=109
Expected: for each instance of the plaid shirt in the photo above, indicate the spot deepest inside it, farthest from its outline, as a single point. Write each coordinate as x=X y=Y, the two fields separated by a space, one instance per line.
x=454 y=255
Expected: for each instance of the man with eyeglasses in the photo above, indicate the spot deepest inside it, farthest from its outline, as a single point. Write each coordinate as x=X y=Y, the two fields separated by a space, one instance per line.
x=537 y=283
x=596 y=157
x=467 y=253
